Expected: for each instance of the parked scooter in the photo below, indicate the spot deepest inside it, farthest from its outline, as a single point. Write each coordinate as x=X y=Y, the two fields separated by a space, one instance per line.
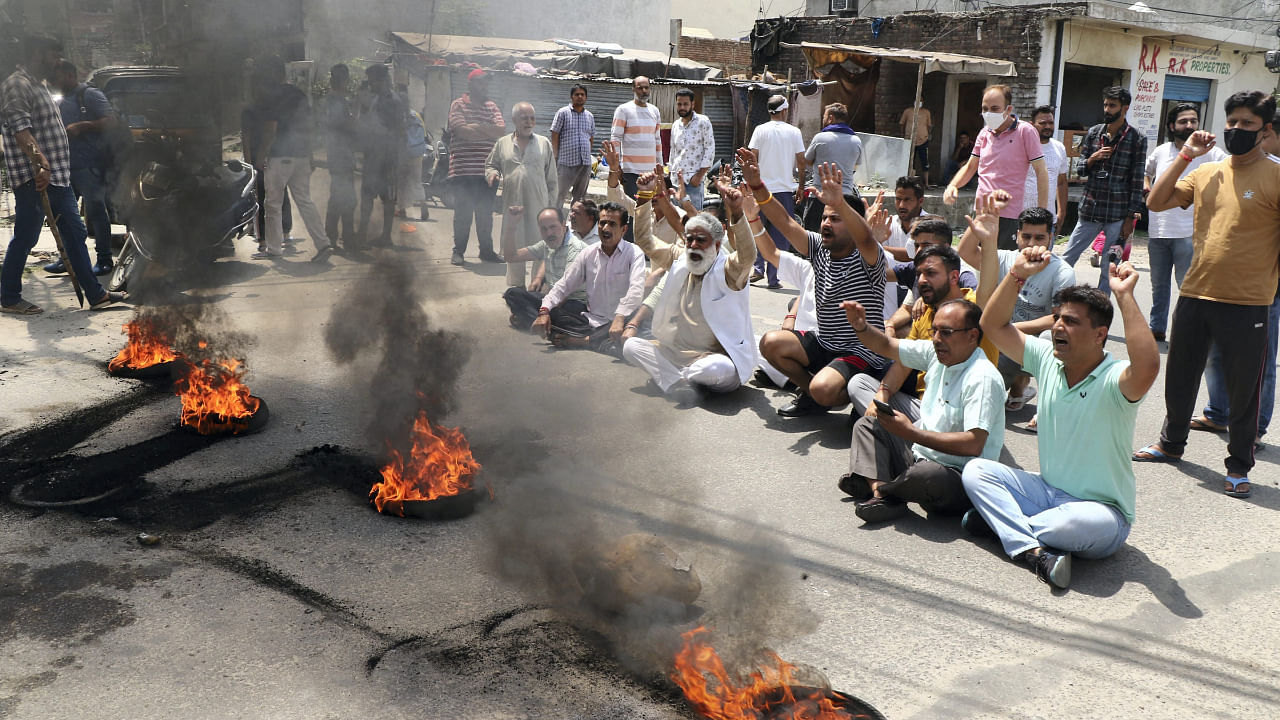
x=177 y=217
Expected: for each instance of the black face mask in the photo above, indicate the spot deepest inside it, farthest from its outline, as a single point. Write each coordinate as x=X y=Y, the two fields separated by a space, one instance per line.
x=1238 y=142
x=1109 y=118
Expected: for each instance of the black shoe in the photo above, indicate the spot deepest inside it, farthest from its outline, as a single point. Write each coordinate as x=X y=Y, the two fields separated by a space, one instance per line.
x=104 y=267
x=762 y=378
x=55 y=268
x=801 y=406
x=381 y=242
x=1159 y=336
x=880 y=509
x=976 y=525
x=1051 y=567
x=490 y=256
x=855 y=486
x=456 y=258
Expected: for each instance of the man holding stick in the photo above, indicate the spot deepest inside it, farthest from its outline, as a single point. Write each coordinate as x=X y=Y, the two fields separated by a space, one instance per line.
x=38 y=156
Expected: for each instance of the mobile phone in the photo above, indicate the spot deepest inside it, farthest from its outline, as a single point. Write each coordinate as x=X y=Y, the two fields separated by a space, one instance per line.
x=884 y=407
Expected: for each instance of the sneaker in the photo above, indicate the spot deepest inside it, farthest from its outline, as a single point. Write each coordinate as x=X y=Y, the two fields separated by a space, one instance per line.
x=976 y=525
x=801 y=406
x=456 y=258
x=104 y=267
x=880 y=509
x=264 y=255
x=1051 y=567
x=56 y=268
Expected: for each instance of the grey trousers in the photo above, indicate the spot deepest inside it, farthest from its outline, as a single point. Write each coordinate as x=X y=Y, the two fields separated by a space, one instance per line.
x=878 y=454
x=863 y=388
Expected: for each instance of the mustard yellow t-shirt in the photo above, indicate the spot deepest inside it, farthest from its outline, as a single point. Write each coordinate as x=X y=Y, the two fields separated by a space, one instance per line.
x=922 y=329
x=1237 y=232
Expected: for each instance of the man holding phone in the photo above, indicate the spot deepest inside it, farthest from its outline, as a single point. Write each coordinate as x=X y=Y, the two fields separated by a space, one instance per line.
x=892 y=461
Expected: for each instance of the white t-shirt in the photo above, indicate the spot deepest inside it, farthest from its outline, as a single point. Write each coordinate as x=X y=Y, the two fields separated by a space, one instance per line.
x=1174 y=222
x=1055 y=164
x=778 y=144
x=796 y=272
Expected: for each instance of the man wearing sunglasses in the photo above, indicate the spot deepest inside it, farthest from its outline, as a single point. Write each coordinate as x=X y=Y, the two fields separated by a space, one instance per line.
x=894 y=461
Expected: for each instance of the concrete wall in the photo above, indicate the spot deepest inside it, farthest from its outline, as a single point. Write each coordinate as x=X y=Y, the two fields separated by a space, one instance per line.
x=726 y=19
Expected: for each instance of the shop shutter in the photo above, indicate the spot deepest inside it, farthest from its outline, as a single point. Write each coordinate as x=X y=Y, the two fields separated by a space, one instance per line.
x=1177 y=87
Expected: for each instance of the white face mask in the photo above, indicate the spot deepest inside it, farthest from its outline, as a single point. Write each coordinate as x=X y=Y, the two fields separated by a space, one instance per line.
x=993 y=120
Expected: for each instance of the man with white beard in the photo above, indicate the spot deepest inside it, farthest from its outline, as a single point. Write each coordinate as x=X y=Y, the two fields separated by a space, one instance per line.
x=702 y=323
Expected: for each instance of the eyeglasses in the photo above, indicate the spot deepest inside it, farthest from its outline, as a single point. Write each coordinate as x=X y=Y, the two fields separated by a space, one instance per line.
x=948 y=332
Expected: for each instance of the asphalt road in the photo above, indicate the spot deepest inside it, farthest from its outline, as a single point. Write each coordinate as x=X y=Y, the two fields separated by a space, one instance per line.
x=276 y=592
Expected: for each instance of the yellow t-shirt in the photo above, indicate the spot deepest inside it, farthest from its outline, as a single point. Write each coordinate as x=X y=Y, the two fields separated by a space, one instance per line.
x=922 y=329
x=1237 y=232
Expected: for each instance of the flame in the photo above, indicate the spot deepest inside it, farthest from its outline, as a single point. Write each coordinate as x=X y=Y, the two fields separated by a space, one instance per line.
x=147 y=346
x=765 y=692
x=215 y=398
x=439 y=464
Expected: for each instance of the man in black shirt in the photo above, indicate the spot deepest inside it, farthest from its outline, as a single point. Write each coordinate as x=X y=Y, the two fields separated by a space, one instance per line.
x=286 y=158
x=381 y=132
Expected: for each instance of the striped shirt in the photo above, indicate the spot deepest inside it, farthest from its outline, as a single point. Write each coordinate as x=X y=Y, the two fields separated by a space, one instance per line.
x=576 y=130
x=466 y=157
x=637 y=128
x=847 y=278
x=25 y=104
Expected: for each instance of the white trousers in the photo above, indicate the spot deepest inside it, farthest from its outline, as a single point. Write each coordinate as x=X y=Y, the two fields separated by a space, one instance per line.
x=294 y=174
x=713 y=372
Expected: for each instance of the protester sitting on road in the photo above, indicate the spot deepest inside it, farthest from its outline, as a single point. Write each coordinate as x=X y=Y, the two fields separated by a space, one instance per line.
x=612 y=274
x=555 y=252
x=795 y=271
x=584 y=218
x=702 y=322
x=848 y=264
x=926 y=231
x=1033 y=313
x=895 y=459
x=939 y=272
x=1082 y=500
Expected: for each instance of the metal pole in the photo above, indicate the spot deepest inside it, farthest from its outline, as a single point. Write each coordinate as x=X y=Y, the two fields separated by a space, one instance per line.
x=915 y=118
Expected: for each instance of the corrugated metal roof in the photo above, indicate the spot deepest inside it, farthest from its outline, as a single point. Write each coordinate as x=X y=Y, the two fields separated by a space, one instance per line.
x=819 y=54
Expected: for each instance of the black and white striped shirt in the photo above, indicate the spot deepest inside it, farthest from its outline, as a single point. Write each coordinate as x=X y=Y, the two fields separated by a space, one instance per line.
x=847 y=278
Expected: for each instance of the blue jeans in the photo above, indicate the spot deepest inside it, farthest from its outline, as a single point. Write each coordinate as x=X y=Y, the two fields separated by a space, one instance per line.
x=1082 y=237
x=28 y=219
x=1219 y=408
x=1167 y=255
x=696 y=193
x=788 y=202
x=1026 y=513
x=90 y=184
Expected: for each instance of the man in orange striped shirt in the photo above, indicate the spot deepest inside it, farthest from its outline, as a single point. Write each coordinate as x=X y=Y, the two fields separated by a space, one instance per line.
x=635 y=126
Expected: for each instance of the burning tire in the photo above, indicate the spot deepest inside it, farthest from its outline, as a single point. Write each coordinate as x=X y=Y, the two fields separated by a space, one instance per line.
x=159 y=371
x=215 y=424
x=449 y=507
x=778 y=704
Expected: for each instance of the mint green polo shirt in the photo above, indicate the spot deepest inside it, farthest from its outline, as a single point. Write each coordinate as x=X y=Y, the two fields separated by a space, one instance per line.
x=966 y=396
x=1085 y=432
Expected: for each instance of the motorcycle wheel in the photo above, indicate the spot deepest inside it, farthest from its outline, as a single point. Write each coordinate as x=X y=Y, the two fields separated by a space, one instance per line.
x=130 y=268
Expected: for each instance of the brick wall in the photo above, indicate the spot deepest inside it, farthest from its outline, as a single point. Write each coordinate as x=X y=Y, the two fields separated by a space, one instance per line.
x=1012 y=34
x=732 y=56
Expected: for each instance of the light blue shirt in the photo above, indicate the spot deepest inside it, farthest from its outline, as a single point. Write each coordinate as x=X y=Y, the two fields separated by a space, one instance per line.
x=958 y=398
x=1084 y=432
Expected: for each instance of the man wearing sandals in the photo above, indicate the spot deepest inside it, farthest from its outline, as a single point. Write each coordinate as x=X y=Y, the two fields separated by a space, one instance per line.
x=612 y=272
x=1231 y=283
x=1082 y=500
x=32 y=124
